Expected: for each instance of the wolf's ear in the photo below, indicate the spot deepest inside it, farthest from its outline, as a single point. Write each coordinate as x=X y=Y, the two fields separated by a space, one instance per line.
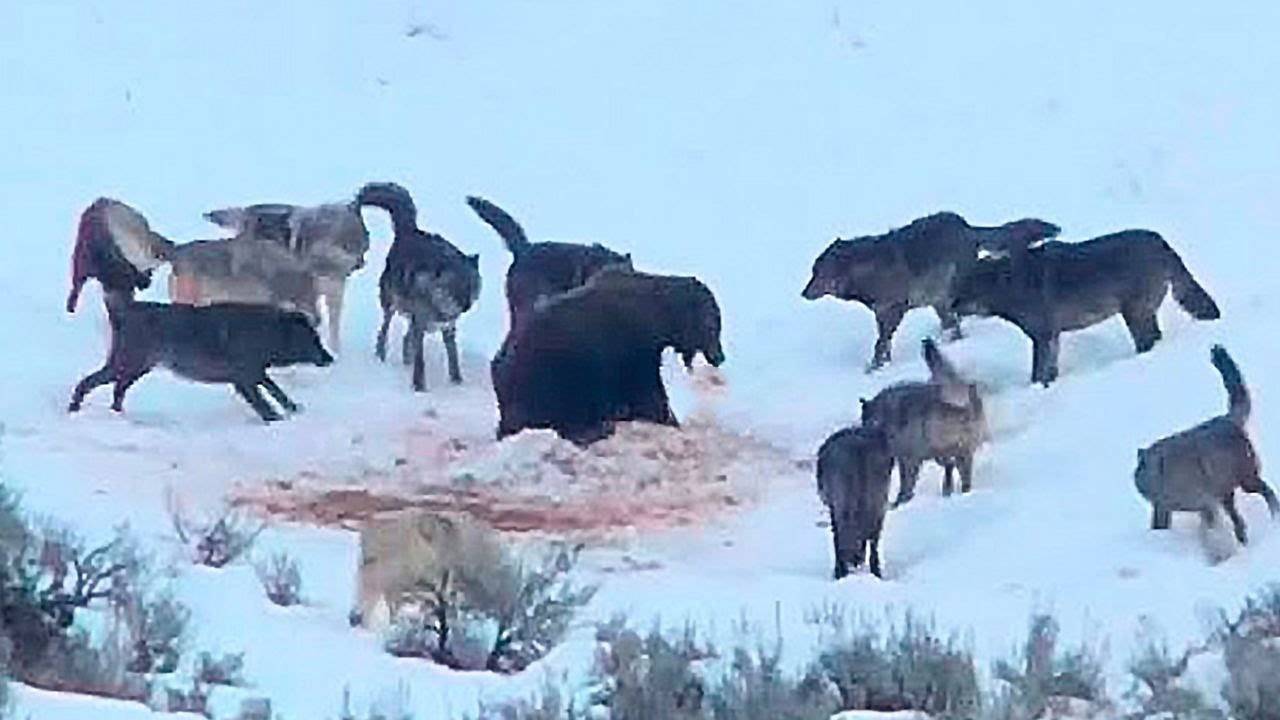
x=474 y=259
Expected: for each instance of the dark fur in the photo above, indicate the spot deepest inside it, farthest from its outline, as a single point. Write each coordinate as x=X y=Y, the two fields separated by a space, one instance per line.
x=940 y=420
x=223 y=343
x=1198 y=470
x=97 y=256
x=912 y=267
x=426 y=278
x=854 y=466
x=542 y=269
x=590 y=357
x=1059 y=287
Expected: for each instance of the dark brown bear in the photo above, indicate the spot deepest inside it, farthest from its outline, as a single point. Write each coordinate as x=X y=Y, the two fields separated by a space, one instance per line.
x=589 y=358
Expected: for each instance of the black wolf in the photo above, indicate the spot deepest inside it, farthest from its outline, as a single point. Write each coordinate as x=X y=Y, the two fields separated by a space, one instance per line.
x=1058 y=287
x=1198 y=470
x=426 y=278
x=542 y=269
x=590 y=357
x=941 y=420
x=221 y=343
x=854 y=466
x=912 y=267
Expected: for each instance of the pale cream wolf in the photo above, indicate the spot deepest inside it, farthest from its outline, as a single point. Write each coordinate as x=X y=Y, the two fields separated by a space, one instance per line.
x=400 y=552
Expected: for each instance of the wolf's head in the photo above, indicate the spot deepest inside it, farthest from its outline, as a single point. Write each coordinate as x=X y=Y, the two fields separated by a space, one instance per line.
x=295 y=342
x=844 y=270
x=981 y=291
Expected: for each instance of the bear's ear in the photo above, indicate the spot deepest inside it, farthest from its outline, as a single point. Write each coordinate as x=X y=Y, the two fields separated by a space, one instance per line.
x=474 y=259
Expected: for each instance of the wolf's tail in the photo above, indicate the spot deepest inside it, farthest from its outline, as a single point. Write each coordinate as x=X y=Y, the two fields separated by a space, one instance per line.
x=940 y=368
x=390 y=197
x=1238 y=403
x=502 y=223
x=1017 y=235
x=1190 y=294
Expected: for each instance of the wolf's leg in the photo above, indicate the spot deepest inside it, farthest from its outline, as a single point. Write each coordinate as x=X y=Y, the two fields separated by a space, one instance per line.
x=888 y=318
x=1237 y=522
x=965 y=464
x=450 y=335
x=1257 y=486
x=259 y=404
x=841 y=566
x=381 y=348
x=1161 y=519
x=874 y=556
x=413 y=345
x=1144 y=328
x=1044 y=359
x=908 y=474
x=333 y=308
x=95 y=379
x=950 y=321
x=274 y=391
x=948 y=477
x=124 y=381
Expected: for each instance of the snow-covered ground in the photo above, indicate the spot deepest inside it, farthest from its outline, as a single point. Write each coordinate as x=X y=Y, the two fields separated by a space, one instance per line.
x=730 y=141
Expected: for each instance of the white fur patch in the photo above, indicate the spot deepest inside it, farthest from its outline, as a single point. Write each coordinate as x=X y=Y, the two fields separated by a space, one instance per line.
x=131 y=233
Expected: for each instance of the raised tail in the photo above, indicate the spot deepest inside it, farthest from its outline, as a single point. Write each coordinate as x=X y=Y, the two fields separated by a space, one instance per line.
x=1238 y=403
x=955 y=390
x=1017 y=235
x=394 y=199
x=502 y=223
x=1190 y=294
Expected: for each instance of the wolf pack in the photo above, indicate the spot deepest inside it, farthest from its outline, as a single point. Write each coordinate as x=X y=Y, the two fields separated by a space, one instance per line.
x=587 y=332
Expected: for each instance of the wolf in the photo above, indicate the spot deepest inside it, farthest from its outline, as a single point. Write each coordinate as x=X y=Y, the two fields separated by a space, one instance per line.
x=221 y=343
x=116 y=245
x=590 y=357
x=854 y=466
x=330 y=238
x=426 y=278
x=542 y=269
x=1058 y=287
x=398 y=553
x=1198 y=470
x=942 y=420
x=913 y=267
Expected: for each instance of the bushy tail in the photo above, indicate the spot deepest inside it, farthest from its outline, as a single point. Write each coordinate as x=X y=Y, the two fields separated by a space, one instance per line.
x=502 y=223
x=1190 y=295
x=1017 y=235
x=390 y=197
x=940 y=368
x=1238 y=403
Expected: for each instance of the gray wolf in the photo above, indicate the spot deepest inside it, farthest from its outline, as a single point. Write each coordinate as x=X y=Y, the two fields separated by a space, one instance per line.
x=940 y=420
x=330 y=239
x=221 y=343
x=853 y=470
x=542 y=269
x=590 y=357
x=116 y=245
x=1058 y=287
x=426 y=278
x=912 y=267
x=1199 y=470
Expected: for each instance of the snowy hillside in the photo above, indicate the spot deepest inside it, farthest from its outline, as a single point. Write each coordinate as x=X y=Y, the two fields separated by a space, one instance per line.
x=727 y=141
